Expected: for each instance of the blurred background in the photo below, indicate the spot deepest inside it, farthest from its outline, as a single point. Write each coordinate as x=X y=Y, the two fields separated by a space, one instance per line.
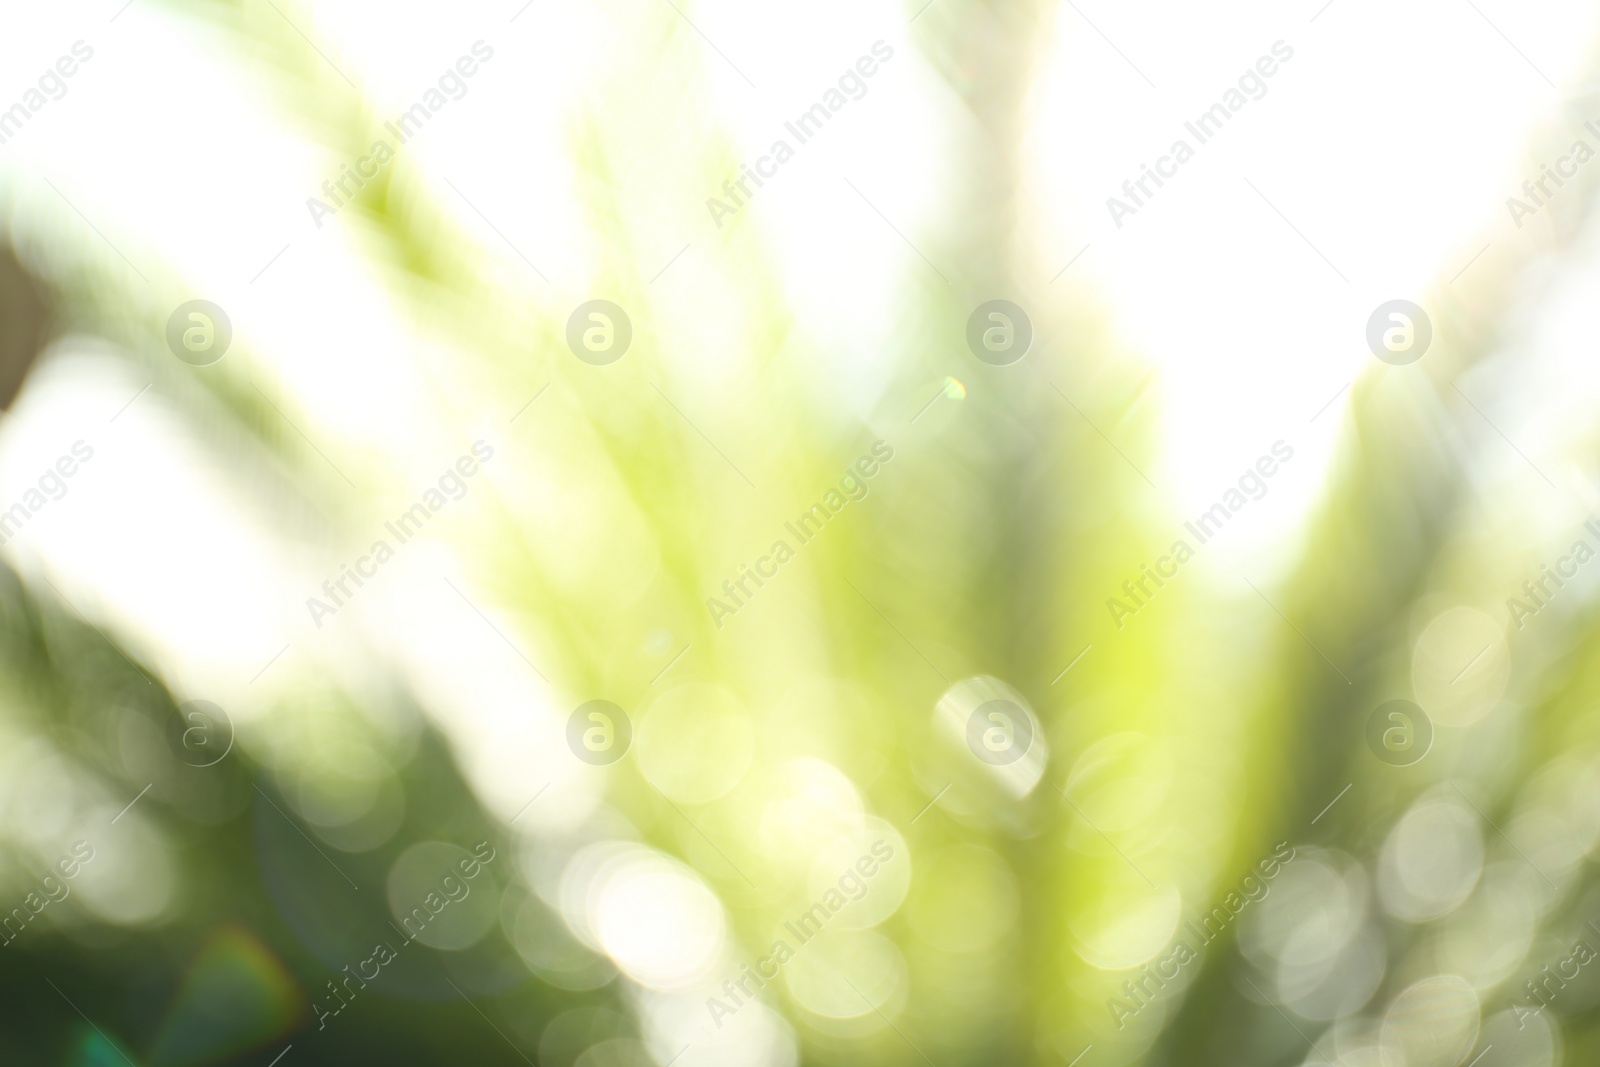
x=936 y=533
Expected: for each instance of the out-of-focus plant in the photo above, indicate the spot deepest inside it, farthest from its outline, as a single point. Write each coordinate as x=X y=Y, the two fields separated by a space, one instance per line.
x=814 y=749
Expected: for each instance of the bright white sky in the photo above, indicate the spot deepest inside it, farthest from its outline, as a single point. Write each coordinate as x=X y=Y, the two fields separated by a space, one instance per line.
x=1390 y=141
